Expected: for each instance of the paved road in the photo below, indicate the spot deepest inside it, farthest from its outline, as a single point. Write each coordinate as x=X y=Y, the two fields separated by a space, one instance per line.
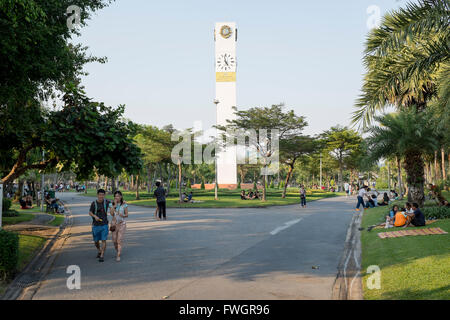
x=260 y=253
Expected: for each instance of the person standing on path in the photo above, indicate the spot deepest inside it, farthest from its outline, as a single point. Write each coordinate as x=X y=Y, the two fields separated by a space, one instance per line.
x=303 y=196
x=160 y=194
x=361 y=194
x=99 y=213
x=346 y=188
x=119 y=211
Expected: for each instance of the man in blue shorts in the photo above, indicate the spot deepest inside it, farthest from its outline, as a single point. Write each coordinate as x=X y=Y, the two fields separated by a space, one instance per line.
x=99 y=214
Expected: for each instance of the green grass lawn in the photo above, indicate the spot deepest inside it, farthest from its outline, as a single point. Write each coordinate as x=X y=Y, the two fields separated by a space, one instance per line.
x=59 y=219
x=24 y=215
x=227 y=198
x=412 y=267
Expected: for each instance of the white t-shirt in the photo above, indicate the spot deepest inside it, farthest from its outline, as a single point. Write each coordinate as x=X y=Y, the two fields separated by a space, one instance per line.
x=362 y=192
x=346 y=185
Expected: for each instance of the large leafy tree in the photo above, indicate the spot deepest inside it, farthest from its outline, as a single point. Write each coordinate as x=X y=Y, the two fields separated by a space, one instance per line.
x=342 y=144
x=39 y=63
x=288 y=124
x=407 y=60
x=409 y=135
x=291 y=150
x=81 y=136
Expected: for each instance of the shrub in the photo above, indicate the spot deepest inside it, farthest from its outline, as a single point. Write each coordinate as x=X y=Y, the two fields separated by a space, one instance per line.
x=202 y=186
x=239 y=185
x=10 y=213
x=188 y=185
x=7 y=203
x=9 y=253
x=272 y=185
x=436 y=212
x=255 y=186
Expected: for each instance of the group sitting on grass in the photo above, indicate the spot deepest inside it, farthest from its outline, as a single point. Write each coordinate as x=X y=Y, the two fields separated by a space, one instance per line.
x=52 y=204
x=404 y=217
x=250 y=195
x=26 y=202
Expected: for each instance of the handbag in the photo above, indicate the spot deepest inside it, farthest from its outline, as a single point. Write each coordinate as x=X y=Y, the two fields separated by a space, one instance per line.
x=112 y=228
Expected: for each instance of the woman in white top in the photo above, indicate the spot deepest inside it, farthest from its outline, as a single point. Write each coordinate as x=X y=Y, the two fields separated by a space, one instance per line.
x=119 y=211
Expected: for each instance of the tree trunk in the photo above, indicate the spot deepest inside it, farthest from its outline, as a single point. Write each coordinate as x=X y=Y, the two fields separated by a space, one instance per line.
x=414 y=169
x=137 y=187
x=149 y=178
x=288 y=176
x=19 y=191
x=179 y=179
x=399 y=178
x=264 y=187
x=340 y=182
x=436 y=169
x=113 y=185
x=169 y=177
x=444 y=175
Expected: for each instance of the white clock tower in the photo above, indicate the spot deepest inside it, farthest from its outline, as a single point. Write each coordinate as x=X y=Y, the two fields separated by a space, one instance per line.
x=225 y=36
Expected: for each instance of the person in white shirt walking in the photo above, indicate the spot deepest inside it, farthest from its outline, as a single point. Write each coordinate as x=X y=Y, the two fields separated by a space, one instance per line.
x=361 y=194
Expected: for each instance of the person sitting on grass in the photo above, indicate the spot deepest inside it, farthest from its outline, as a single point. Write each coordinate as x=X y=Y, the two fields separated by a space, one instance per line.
x=385 y=201
x=250 y=195
x=186 y=198
x=23 y=203
x=256 y=195
x=391 y=217
x=445 y=204
x=370 y=203
x=190 y=196
x=408 y=208
x=29 y=200
x=243 y=196
x=416 y=218
x=400 y=218
x=52 y=203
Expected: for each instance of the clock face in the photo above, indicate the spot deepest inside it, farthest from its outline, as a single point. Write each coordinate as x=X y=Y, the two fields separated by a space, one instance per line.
x=225 y=62
x=226 y=32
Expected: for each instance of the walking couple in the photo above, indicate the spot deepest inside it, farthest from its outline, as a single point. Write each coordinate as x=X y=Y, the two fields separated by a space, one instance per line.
x=118 y=209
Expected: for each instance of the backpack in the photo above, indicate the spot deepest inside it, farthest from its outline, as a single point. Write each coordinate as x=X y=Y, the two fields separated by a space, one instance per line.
x=105 y=203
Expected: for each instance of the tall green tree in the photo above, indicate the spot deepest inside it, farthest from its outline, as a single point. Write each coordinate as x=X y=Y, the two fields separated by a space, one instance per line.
x=341 y=143
x=287 y=123
x=291 y=149
x=409 y=135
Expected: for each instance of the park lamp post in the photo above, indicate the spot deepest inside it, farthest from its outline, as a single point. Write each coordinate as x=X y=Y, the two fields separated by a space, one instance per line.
x=321 y=171
x=42 y=185
x=216 y=102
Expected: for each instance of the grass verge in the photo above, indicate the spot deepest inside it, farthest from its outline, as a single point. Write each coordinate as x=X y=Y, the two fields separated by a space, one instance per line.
x=227 y=198
x=59 y=219
x=412 y=267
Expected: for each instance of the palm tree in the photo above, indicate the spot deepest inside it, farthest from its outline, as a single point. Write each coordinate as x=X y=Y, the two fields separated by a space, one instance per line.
x=407 y=59
x=408 y=135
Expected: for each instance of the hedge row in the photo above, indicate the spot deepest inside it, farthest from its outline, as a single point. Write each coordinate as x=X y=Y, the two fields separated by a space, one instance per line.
x=436 y=212
x=6 y=204
x=9 y=253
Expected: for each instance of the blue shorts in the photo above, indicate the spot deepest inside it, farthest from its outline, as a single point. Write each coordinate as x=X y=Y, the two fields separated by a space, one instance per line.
x=100 y=233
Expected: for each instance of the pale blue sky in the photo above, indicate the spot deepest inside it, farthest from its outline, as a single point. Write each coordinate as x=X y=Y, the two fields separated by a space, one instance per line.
x=161 y=57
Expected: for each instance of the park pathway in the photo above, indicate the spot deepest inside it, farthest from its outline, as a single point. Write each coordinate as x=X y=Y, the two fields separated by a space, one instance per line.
x=282 y=252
